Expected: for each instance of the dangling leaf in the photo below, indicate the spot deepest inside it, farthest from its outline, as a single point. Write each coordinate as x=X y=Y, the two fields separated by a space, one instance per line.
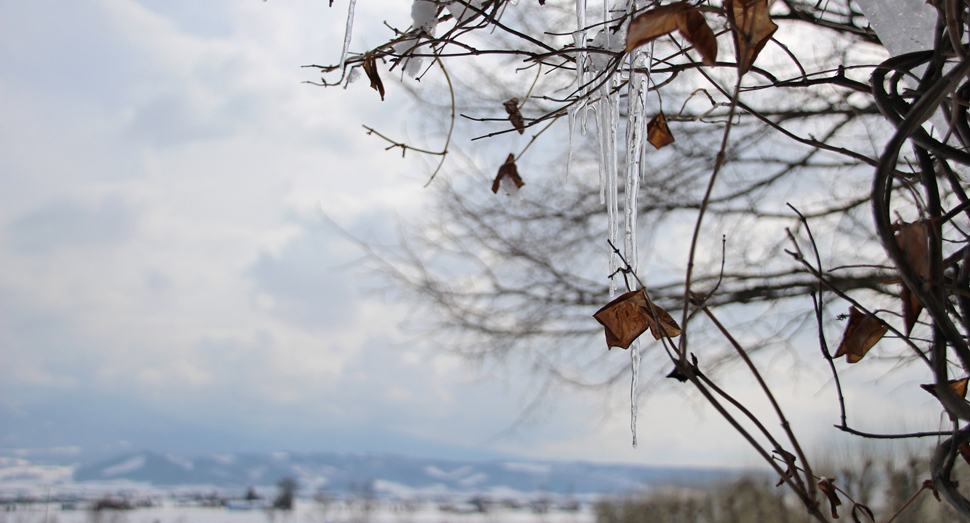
x=752 y=29
x=508 y=173
x=623 y=320
x=789 y=460
x=663 y=20
x=957 y=386
x=658 y=134
x=827 y=486
x=667 y=327
x=700 y=35
x=629 y=316
x=862 y=332
x=912 y=240
x=512 y=107
x=370 y=67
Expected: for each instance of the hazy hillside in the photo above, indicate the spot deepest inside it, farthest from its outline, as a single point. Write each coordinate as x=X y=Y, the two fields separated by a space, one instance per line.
x=389 y=473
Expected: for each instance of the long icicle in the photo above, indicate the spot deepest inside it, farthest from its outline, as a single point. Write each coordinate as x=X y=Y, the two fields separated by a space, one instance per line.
x=613 y=107
x=579 y=41
x=636 y=101
x=348 y=32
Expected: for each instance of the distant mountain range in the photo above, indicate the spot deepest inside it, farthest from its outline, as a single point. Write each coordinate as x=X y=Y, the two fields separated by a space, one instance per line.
x=387 y=474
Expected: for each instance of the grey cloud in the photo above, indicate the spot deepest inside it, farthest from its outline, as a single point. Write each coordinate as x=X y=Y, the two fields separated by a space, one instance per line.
x=305 y=287
x=171 y=119
x=72 y=224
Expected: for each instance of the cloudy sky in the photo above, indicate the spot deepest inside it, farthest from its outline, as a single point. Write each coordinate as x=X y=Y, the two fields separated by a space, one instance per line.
x=168 y=282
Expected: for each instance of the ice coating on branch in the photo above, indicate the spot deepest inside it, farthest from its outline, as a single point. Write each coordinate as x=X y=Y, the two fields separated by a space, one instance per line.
x=462 y=12
x=603 y=40
x=511 y=189
x=903 y=26
x=348 y=32
x=352 y=77
x=412 y=64
x=424 y=15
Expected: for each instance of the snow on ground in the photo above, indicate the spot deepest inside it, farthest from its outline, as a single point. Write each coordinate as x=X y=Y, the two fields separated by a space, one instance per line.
x=306 y=511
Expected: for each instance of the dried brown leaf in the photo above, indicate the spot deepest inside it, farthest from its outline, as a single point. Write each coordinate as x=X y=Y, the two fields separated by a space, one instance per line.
x=663 y=20
x=658 y=134
x=370 y=67
x=862 y=332
x=512 y=107
x=507 y=170
x=789 y=460
x=623 y=320
x=957 y=386
x=827 y=486
x=654 y=23
x=752 y=29
x=700 y=35
x=629 y=315
x=912 y=240
x=667 y=326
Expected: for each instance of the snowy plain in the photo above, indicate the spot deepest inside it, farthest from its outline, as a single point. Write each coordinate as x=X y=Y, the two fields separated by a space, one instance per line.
x=306 y=511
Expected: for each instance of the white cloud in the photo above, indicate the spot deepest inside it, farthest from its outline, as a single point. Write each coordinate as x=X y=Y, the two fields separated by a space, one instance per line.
x=164 y=257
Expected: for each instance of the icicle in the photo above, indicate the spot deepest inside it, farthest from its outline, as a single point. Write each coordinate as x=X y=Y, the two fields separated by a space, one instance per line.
x=607 y=116
x=606 y=23
x=635 y=134
x=347 y=33
x=635 y=371
x=570 y=129
x=584 y=111
x=598 y=111
x=579 y=41
x=613 y=106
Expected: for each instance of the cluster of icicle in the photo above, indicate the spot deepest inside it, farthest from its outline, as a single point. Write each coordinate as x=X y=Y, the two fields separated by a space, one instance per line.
x=605 y=106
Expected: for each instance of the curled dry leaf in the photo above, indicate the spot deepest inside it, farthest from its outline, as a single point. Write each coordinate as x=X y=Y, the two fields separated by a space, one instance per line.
x=752 y=29
x=789 y=460
x=912 y=240
x=629 y=315
x=827 y=486
x=862 y=332
x=957 y=386
x=512 y=107
x=658 y=134
x=508 y=173
x=663 y=20
x=370 y=67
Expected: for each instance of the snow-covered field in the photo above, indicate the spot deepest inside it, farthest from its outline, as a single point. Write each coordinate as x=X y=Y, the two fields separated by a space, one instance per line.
x=306 y=511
